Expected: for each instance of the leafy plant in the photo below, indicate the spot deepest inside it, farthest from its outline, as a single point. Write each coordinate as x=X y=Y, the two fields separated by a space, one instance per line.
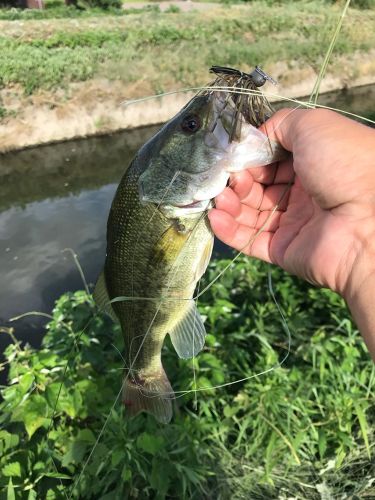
x=173 y=9
x=308 y=422
x=106 y=4
x=3 y=112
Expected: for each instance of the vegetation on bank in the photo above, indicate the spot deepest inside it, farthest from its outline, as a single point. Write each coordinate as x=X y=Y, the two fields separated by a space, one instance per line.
x=169 y=49
x=87 y=8
x=60 y=11
x=305 y=429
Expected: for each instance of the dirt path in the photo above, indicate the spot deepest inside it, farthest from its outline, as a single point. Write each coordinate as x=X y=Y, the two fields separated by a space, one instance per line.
x=183 y=5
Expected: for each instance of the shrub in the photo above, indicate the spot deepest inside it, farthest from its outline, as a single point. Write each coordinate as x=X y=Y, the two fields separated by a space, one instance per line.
x=63 y=431
x=106 y=4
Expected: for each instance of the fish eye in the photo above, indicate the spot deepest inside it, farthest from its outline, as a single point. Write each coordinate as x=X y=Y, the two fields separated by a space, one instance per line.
x=191 y=124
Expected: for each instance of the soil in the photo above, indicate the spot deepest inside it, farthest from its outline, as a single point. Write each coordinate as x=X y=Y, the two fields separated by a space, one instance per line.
x=183 y=6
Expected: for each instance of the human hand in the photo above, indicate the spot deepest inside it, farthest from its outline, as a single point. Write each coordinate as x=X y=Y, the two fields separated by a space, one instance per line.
x=324 y=228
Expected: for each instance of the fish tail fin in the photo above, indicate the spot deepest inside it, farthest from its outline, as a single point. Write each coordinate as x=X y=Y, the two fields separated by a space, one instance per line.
x=152 y=394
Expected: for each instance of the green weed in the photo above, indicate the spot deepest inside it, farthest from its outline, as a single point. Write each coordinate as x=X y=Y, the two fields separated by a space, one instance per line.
x=173 y=9
x=289 y=431
x=3 y=112
x=63 y=12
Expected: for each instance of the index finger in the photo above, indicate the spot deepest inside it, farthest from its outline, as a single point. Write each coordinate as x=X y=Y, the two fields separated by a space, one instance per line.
x=284 y=126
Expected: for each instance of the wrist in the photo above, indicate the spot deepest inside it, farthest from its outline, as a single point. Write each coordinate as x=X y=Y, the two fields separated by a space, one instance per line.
x=359 y=292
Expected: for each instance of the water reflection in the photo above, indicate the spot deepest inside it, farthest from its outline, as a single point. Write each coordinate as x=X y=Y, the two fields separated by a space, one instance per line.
x=63 y=169
x=58 y=196
x=33 y=240
x=55 y=197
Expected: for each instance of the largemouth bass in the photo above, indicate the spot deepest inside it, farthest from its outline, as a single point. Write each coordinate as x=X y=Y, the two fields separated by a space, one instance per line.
x=159 y=242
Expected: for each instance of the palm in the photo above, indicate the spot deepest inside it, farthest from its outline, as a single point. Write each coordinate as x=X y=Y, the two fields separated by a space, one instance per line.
x=299 y=236
x=323 y=194
x=310 y=242
x=314 y=214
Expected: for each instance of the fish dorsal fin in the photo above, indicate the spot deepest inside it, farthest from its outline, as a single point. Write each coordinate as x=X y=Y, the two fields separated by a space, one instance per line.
x=101 y=297
x=189 y=334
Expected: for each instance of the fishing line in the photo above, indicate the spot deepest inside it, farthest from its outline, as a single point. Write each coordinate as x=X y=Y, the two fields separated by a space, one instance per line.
x=75 y=484
x=200 y=293
x=63 y=376
x=122 y=357
x=125 y=379
x=269 y=277
x=195 y=405
x=276 y=97
x=195 y=390
x=119 y=299
x=185 y=392
x=69 y=356
x=137 y=242
x=141 y=345
x=284 y=322
x=315 y=91
x=78 y=265
x=114 y=404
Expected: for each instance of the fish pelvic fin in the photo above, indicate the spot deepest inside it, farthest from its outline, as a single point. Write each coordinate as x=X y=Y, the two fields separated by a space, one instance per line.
x=188 y=336
x=151 y=393
x=101 y=297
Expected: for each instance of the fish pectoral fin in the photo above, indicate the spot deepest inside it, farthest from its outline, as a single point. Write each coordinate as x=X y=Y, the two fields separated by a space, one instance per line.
x=101 y=297
x=204 y=260
x=189 y=334
x=169 y=246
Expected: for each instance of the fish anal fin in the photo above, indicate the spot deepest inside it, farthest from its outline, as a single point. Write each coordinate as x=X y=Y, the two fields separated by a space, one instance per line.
x=152 y=394
x=101 y=297
x=188 y=336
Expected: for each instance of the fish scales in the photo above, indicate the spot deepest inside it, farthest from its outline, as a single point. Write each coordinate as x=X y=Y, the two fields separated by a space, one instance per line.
x=159 y=241
x=141 y=235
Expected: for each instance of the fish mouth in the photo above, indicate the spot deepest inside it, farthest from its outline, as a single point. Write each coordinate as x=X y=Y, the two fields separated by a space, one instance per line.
x=194 y=204
x=187 y=209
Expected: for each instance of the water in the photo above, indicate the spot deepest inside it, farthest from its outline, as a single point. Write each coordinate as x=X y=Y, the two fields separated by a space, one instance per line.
x=58 y=196
x=52 y=198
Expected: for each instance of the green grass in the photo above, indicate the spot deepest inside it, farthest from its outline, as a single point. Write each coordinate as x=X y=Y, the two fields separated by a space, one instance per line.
x=297 y=430
x=169 y=49
x=64 y=12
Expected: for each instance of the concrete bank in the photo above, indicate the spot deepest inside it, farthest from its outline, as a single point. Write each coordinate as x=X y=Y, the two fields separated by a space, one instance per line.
x=97 y=106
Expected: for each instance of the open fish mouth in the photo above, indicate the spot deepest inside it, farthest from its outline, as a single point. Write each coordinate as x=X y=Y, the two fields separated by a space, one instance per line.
x=194 y=204
x=186 y=210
